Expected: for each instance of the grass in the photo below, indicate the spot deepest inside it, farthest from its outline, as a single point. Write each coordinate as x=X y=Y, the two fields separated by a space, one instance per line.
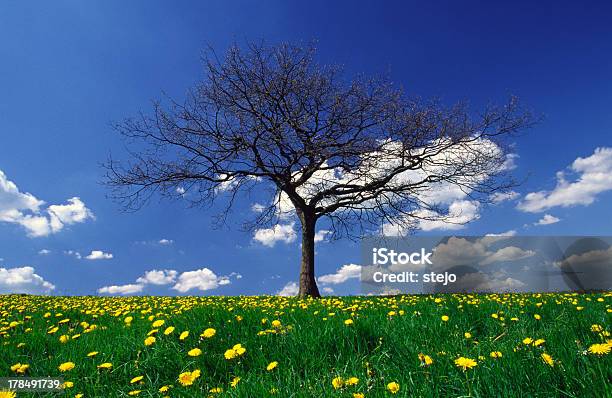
x=313 y=345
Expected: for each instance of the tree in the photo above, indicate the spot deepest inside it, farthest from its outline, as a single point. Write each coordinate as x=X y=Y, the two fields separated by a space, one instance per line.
x=358 y=153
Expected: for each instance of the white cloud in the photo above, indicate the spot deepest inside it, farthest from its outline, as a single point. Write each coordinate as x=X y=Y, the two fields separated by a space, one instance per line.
x=290 y=289
x=165 y=242
x=44 y=252
x=25 y=209
x=321 y=235
x=343 y=274
x=499 y=197
x=460 y=212
x=257 y=208
x=121 y=289
x=158 y=277
x=202 y=279
x=99 y=255
x=511 y=232
x=73 y=253
x=594 y=176
x=279 y=233
x=460 y=251
x=23 y=280
x=509 y=253
x=547 y=219
x=480 y=282
x=328 y=290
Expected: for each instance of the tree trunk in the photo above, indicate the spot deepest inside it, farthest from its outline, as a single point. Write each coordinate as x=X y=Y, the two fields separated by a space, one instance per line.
x=308 y=283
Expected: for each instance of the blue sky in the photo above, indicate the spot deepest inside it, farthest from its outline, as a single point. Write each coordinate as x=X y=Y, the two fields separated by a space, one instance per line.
x=70 y=68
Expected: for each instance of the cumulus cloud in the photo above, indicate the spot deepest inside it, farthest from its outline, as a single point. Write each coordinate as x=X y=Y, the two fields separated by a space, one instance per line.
x=593 y=176
x=98 y=255
x=279 y=233
x=23 y=280
x=25 y=209
x=44 y=252
x=158 y=277
x=201 y=279
x=322 y=235
x=461 y=251
x=290 y=289
x=73 y=253
x=499 y=197
x=547 y=219
x=511 y=232
x=343 y=274
x=121 y=289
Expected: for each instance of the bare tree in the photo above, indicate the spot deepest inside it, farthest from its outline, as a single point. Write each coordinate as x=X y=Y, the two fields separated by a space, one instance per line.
x=358 y=153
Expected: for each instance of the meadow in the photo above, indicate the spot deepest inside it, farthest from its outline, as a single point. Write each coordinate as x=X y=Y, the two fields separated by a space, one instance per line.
x=460 y=345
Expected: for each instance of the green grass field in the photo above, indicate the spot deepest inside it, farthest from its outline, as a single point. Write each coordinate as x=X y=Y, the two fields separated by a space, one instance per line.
x=404 y=346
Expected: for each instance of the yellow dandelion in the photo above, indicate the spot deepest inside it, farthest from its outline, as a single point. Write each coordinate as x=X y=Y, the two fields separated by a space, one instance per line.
x=445 y=318
x=425 y=359
x=527 y=340
x=337 y=383
x=467 y=335
x=136 y=379
x=92 y=354
x=537 y=317
x=66 y=366
x=65 y=385
x=208 y=333
x=351 y=381
x=169 y=330
x=105 y=365
x=149 y=341
x=547 y=359
x=348 y=322
x=465 y=363
x=495 y=354
x=20 y=368
x=393 y=387
x=235 y=381
x=272 y=365
x=599 y=349
x=158 y=323
x=196 y=352
x=187 y=378
x=184 y=335
x=135 y=392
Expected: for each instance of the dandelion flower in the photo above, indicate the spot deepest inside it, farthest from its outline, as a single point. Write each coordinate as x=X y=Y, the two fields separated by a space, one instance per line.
x=599 y=349
x=20 y=368
x=467 y=335
x=276 y=323
x=596 y=328
x=164 y=389
x=351 y=381
x=8 y=394
x=169 y=330
x=272 y=365
x=184 y=335
x=465 y=363
x=66 y=366
x=348 y=322
x=547 y=359
x=136 y=379
x=187 y=378
x=358 y=395
x=135 y=392
x=337 y=383
x=208 y=333
x=539 y=342
x=425 y=359
x=445 y=318
x=235 y=381
x=495 y=354
x=537 y=317
x=196 y=352
x=527 y=340
x=66 y=384
x=393 y=387
x=149 y=341
x=158 y=323
x=105 y=365
x=92 y=354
